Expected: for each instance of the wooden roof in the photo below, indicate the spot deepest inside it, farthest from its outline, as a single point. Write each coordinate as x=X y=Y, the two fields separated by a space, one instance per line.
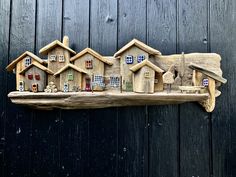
x=146 y=63
x=54 y=44
x=93 y=53
x=12 y=65
x=140 y=45
x=70 y=66
x=38 y=65
x=208 y=73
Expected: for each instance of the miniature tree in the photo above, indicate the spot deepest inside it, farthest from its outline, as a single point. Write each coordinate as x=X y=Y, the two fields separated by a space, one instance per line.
x=182 y=68
x=168 y=78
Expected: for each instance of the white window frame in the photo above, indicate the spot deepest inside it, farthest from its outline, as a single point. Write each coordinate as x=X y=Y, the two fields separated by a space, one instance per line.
x=147 y=74
x=114 y=81
x=129 y=59
x=61 y=59
x=53 y=58
x=140 y=58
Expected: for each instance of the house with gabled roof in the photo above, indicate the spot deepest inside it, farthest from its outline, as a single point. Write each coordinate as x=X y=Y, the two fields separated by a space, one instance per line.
x=131 y=54
x=94 y=64
x=147 y=77
x=59 y=54
x=72 y=78
x=22 y=62
x=35 y=77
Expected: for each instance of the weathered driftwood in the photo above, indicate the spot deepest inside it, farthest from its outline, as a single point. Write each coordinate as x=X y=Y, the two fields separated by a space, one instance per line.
x=83 y=100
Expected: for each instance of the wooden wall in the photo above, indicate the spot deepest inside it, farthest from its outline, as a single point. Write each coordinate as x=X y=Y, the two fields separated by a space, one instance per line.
x=148 y=141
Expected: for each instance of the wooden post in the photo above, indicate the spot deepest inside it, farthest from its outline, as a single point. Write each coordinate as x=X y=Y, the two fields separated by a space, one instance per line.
x=91 y=84
x=121 y=84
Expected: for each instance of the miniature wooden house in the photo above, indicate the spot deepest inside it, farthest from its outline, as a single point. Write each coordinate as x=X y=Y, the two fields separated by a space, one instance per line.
x=132 y=53
x=209 y=79
x=72 y=78
x=58 y=56
x=92 y=63
x=19 y=64
x=144 y=77
x=35 y=77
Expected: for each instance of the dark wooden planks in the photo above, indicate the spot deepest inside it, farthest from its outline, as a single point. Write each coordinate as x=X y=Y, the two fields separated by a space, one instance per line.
x=222 y=38
x=76 y=23
x=194 y=137
x=4 y=38
x=75 y=123
x=163 y=120
x=18 y=124
x=46 y=125
x=132 y=121
x=103 y=122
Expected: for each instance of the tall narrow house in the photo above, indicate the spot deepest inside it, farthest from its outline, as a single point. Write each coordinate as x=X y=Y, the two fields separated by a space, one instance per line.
x=58 y=56
x=131 y=54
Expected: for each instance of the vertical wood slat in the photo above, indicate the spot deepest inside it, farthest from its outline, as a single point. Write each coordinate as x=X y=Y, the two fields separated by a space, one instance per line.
x=75 y=123
x=132 y=121
x=4 y=48
x=46 y=125
x=22 y=32
x=163 y=133
x=223 y=37
x=103 y=122
x=194 y=137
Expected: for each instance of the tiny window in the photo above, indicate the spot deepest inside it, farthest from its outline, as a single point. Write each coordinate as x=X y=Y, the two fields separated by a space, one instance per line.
x=114 y=81
x=27 y=61
x=129 y=59
x=37 y=77
x=89 y=64
x=61 y=59
x=205 y=82
x=53 y=58
x=98 y=79
x=30 y=76
x=70 y=77
x=147 y=74
x=140 y=58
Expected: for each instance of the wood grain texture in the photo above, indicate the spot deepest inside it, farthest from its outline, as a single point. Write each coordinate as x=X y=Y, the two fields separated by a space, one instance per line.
x=46 y=126
x=74 y=148
x=103 y=123
x=194 y=150
x=132 y=122
x=18 y=138
x=4 y=38
x=76 y=23
x=163 y=120
x=222 y=40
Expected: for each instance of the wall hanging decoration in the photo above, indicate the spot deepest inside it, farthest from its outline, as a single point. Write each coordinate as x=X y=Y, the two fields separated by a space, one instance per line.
x=137 y=74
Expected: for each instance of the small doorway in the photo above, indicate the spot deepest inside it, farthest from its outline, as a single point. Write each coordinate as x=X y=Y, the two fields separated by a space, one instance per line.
x=87 y=84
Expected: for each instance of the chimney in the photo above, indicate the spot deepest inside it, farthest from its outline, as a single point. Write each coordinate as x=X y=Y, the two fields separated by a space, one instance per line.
x=66 y=41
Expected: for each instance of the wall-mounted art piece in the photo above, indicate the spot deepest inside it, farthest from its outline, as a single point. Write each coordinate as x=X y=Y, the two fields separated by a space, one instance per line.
x=137 y=74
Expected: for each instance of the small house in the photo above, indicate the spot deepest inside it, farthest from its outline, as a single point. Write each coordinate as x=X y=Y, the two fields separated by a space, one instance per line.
x=19 y=64
x=72 y=78
x=210 y=80
x=59 y=55
x=131 y=54
x=147 y=77
x=94 y=64
x=35 y=77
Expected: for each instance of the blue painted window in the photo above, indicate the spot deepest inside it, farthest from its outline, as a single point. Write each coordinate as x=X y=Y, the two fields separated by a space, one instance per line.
x=129 y=59
x=140 y=58
x=27 y=61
